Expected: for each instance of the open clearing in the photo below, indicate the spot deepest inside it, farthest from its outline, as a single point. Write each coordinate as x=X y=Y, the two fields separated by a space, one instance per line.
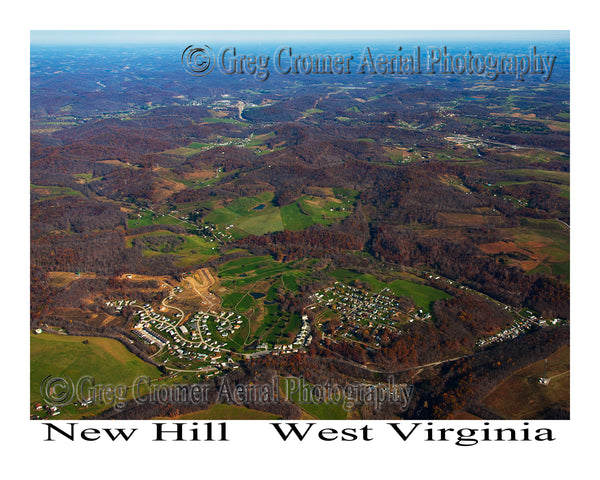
x=521 y=396
x=191 y=249
x=423 y=295
x=328 y=409
x=62 y=279
x=106 y=360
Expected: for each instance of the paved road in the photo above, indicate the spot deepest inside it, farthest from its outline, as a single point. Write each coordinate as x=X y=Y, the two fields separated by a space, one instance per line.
x=175 y=308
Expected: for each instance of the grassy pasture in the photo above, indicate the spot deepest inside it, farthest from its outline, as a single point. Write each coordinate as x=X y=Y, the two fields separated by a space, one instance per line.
x=325 y=410
x=149 y=218
x=106 y=360
x=521 y=396
x=47 y=192
x=246 y=217
x=561 y=178
x=423 y=295
x=193 y=250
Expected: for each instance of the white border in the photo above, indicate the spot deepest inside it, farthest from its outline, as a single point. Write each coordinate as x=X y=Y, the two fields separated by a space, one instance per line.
x=259 y=456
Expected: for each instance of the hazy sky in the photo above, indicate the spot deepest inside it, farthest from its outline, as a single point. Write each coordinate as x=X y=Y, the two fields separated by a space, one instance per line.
x=87 y=37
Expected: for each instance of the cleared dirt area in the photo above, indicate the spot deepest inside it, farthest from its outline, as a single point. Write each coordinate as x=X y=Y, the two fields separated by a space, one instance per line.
x=165 y=281
x=558 y=126
x=118 y=163
x=165 y=188
x=534 y=250
x=198 y=174
x=196 y=286
x=321 y=202
x=500 y=247
x=62 y=279
x=100 y=319
x=397 y=153
x=454 y=182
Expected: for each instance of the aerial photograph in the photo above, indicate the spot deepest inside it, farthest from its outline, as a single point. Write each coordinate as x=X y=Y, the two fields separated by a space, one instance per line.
x=299 y=225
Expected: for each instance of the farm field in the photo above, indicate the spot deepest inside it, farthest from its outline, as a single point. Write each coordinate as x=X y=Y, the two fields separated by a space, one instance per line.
x=248 y=215
x=423 y=295
x=190 y=249
x=257 y=215
x=549 y=246
x=47 y=192
x=149 y=218
x=561 y=178
x=106 y=360
x=522 y=396
x=325 y=410
x=309 y=210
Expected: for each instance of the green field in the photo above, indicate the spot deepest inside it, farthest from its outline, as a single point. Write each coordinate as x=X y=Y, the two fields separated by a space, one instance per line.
x=198 y=145
x=87 y=177
x=263 y=221
x=552 y=234
x=325 y=410
x=561 y=178
x=47 y=192
x=289 y=282
x=294 y=219
x=106 y=360
x=309 y=210
x=258 y=140
x=248 y=270
x=149 y=218
x=423 y=295
x=506 y=400
x=235 y=341
x=251 y=215
x=194 y=249
x=312 y=111
x=183 y=151
x=565 y=190
x=257 y=215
